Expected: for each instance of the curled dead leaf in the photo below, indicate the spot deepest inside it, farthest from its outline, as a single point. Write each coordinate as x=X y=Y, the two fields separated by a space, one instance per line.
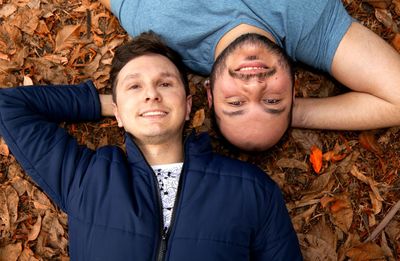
x=35 y=230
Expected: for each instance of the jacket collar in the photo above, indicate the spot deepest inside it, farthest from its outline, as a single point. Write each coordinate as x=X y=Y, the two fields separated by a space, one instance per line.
x=195 y=145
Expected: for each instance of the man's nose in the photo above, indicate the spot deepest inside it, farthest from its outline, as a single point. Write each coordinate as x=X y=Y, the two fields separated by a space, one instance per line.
x=254 y=84
x=152 y=94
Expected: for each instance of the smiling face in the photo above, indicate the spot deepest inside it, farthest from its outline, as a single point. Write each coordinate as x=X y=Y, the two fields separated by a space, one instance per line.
x=151 y=102
x=252 y=94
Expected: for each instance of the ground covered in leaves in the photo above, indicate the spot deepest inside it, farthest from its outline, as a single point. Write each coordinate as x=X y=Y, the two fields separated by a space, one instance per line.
x=342 y=188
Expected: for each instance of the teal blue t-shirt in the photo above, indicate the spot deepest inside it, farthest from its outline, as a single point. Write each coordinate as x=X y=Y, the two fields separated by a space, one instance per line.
x=309 y=31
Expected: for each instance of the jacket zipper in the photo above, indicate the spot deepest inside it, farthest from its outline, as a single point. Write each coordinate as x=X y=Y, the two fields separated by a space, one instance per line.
x=162 y=247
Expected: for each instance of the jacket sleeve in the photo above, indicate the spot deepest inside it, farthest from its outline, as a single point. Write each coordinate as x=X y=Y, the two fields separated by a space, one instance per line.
x=29 y=124
x=276 y=240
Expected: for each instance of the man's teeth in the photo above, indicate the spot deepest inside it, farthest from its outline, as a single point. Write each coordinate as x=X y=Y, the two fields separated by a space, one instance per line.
x=154 y=113
x=250 y=68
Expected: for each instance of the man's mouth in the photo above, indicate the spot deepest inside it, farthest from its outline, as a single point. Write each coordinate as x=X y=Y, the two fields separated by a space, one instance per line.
x=251 y=69
x=156 y=113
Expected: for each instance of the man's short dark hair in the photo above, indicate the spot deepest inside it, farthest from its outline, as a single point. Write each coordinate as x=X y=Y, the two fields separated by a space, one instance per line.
x=145 y=43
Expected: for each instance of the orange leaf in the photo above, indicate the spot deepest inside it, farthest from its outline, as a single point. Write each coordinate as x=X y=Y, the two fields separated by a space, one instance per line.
x=316 y=159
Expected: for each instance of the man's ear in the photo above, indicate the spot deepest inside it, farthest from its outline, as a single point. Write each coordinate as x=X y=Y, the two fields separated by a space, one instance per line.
x=209 y=94
x=116 y=114
x=188 y=106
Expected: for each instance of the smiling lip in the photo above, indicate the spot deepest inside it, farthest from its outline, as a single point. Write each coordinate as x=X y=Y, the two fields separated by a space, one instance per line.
x=153 y=113
x=252 y=68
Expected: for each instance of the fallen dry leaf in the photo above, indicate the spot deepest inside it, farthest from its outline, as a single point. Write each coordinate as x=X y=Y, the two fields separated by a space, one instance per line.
x=67 y=37
x=292 y=164
x=368 y=141
x=11 y=252
x=379 y=3
x=306 y=139
x=366 y=251
x=396 y=4
x=341 y=210
x=316 y=159
x=198 y=118
x=396 y=42
x=385 y=17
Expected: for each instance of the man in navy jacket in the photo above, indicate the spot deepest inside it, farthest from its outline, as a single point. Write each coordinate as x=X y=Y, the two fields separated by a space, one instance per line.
x=162 y=199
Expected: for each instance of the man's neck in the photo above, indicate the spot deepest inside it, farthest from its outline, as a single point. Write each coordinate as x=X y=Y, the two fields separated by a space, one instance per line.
x=164 y=153
x=236 y=32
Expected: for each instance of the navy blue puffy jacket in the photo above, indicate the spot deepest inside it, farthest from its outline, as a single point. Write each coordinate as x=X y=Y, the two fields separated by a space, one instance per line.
x=225 y=210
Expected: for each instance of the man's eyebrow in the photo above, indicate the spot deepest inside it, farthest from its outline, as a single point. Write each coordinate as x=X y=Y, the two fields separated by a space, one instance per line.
x=233 y=113
x=275 y=111
x=241 y=112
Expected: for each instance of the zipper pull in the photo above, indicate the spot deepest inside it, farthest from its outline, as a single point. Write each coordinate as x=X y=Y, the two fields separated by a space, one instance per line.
x=163 y=248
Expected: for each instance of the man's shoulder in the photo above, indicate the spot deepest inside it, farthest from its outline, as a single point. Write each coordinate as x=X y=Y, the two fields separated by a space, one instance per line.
x=240 y=169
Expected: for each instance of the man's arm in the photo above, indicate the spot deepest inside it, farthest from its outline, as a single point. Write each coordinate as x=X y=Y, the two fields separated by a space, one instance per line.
x=371 y=68
x=29 y=118
x=276 y=238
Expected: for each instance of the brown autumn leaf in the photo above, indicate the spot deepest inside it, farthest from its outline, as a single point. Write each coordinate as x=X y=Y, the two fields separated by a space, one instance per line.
x=35 y=230
x=27 y=255
x=379 y=3
x=320 y=243
x=368 y=141
x=316 y=159
x=314 y=248
x=292 y=164
x=11 y=252
x=7 y=10
x=396 y=4
x=396 y=42
x=393 y=230
x=4 y=148
x=67 y=37
x=366 y=251
x=303 y=218
x=375 y=202
x=198 y=118
x=306 y=139
x=385 y=17
x=26 y=19
x=367 y=180
x=340 y=209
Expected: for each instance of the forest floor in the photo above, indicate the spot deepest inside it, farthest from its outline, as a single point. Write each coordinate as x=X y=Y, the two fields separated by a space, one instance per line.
x=343 y=209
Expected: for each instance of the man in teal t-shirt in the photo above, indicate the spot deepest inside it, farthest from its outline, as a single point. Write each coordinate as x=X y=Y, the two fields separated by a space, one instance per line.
x=251 y=87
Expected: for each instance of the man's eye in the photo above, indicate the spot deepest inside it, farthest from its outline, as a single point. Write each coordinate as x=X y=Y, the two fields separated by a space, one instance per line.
x=134 y=86
x=235 y=103
x=165 y=84
x=271 y=101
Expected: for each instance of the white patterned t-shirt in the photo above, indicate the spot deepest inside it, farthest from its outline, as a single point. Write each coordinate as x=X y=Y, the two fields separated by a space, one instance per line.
x=168 y=180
